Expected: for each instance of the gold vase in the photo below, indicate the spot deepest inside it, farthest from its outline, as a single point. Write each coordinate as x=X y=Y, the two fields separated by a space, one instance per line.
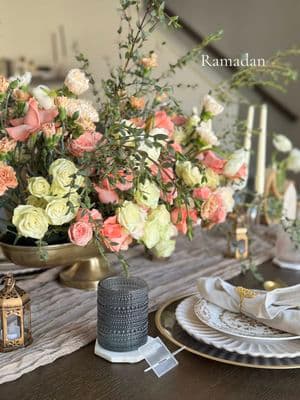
x=85 y=265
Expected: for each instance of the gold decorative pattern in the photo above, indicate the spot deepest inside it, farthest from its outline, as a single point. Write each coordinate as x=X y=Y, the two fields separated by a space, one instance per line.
x=245 y=294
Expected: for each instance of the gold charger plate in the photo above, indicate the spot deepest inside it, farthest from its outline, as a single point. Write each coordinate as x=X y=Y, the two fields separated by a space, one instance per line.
x=167 y=325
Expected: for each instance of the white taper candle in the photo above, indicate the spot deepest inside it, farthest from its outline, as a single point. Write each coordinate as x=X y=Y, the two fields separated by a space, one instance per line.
x=261 y=152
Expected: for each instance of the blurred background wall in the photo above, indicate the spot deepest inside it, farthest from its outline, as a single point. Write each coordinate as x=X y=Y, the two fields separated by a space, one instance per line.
x=46 y=32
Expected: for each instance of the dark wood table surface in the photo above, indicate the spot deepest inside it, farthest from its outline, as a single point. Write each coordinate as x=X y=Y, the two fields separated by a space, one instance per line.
x=83 y=376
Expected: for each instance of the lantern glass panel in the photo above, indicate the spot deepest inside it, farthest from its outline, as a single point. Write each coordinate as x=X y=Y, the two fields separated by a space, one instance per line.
x=1 y=329
x=13 y=327
x=27 y=318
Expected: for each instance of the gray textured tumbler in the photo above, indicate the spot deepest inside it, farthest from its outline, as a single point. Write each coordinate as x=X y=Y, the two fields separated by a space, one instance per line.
x=122 y=306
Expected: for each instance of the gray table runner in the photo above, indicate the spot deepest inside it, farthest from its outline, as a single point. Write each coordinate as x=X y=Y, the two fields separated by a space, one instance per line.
x=64 y=319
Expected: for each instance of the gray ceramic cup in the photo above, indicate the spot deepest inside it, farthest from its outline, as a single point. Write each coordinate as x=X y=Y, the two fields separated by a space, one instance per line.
x=122 y=306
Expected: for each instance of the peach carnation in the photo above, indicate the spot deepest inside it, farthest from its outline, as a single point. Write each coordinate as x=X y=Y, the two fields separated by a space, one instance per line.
x=3 y=84
x=137 y=102
x=213 y=210
x=8 y=178
x=150 y=62
x=7 y=145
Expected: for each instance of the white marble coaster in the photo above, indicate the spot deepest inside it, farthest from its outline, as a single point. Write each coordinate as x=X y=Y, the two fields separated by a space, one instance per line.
x=130 y=357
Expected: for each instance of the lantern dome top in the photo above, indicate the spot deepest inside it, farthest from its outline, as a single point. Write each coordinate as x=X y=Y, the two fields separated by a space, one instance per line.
x=11 y=295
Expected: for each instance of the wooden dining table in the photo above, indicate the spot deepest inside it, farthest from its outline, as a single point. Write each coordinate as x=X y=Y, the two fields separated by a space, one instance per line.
x=84 y=376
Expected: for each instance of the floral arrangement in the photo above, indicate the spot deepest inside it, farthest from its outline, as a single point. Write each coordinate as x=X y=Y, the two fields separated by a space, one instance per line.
x=130 y=167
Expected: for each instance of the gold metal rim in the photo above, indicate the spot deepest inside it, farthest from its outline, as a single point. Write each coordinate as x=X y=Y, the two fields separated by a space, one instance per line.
x=49 y=246
x=167 y=335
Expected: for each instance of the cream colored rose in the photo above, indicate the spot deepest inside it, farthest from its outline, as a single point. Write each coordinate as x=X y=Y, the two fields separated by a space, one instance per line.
x=41 y=94
x=152 y=152
x=132 y=217
x=164 y=249
x=147 y=194
x=151 y=234
x=207 y=135
x=282 y=143
x=158 y=227
x=234 y=163
x=211 y=106
x=189 y=174
x=212 y=178
x=30 y=221
x=60 y=212
x=38 y=186
x=63 y=172
x=293 y=161
x=77 y=82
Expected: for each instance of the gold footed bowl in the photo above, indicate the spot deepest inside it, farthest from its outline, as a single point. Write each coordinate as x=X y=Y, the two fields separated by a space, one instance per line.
x=85 y=265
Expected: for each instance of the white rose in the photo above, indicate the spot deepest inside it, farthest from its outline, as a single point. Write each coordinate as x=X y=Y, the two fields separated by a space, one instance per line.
x=161 y=132
x=189 y=174
x=132 y=217
x=211 y=106
x=207 y=135
x=226 y=194
x=76 y=81
x=41 y=94
x=59 y=212
x=153 y=152
x=24 y=80
x=158 y=227
x=235 y=162
x=282 y=143
x=293 y=161
x=30 y=221
x=147 y=194
x=38 y=186
x=164 y=249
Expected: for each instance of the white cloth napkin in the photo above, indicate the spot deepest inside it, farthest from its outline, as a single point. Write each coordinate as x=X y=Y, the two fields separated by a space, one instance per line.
x=279 y=309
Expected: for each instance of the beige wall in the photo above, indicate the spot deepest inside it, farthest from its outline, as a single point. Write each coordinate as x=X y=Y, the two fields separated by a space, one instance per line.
x=26 y=28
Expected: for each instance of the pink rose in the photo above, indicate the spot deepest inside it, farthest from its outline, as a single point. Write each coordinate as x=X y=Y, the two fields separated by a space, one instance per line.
x=179 y=120
x=213 y=210
x=169 y=196
x=85 y=215
x=106 y=194
x=202 y=193
x=115 y=237
x=80 y=233
x=32 y=122
x=162 y=120
x=179 y=217
x=167 y=174
x=85 y=143
x=211 y=160
x=127 y=181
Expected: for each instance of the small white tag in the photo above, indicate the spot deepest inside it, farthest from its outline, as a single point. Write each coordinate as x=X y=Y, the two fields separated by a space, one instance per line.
x=158 y=357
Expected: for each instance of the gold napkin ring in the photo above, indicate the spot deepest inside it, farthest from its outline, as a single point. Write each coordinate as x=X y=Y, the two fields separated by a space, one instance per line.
x=244 y=294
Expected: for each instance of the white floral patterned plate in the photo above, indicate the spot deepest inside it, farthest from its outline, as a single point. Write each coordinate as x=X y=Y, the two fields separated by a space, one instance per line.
x=187 y=319
x=236 y=324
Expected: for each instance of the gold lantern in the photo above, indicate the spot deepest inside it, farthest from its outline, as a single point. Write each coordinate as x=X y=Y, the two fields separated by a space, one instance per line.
x=15 y=316
x=238 y=242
